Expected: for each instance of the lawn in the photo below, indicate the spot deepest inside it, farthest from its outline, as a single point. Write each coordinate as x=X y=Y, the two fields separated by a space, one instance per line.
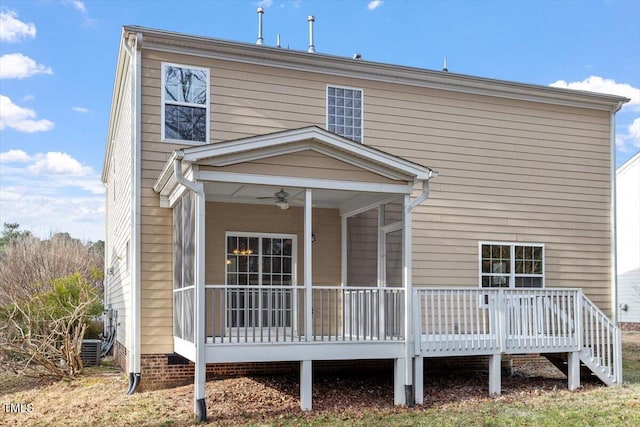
x=98 y=399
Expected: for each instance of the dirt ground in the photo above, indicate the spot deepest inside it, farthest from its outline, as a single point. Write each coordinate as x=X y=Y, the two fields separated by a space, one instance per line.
x=98 y=398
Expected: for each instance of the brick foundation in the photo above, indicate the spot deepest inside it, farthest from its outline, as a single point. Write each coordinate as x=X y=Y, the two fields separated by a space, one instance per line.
x=121 y=356
x=630 y=326
x=463 y=365
x=531 y=362
x=171 y=370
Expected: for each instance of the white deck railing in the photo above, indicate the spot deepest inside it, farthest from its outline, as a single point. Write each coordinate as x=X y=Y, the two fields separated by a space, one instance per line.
x=600 y=343
x=447 y=321
x=270 y=314
x=490 y=321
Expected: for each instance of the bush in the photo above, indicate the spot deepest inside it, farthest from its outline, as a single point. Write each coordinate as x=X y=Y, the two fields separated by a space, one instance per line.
x=47 y=328
x=28 y=265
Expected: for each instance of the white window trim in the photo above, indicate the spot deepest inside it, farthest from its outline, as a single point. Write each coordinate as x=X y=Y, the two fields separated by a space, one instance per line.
x=294 y=252
x=326 y=107
x=512 y=274
x=206 y=105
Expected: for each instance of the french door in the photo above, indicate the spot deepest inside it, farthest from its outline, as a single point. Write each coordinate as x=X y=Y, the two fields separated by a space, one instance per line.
x=260 y=271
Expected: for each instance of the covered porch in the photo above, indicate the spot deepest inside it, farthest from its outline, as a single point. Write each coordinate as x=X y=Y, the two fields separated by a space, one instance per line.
x=292 y=246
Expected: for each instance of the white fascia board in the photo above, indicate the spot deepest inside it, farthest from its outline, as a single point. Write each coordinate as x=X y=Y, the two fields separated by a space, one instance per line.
x=315 y=183
x=206 y=47
x=184 y=348
x=320 y=138
x=316 y=350
x=122 y=69
x=311 y=145
x=167 y=172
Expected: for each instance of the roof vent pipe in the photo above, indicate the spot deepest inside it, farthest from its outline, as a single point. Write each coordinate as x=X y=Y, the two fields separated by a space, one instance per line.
x=312 y=48
x=278 y=40
x=260 y=13
x=444 y=66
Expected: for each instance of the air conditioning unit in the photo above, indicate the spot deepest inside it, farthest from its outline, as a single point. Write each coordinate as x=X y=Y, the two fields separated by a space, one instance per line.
x=90 y=352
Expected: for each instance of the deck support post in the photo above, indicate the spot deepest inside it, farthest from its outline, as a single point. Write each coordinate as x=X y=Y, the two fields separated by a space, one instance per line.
x=398 y=382
x=495 y=362
x=306 y=385
x=407 y=273
x=573 y=370
x=418 y=379
x=200 y=407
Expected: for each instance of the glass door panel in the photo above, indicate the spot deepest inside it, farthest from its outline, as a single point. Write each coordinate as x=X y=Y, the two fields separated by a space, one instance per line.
x=257 y=267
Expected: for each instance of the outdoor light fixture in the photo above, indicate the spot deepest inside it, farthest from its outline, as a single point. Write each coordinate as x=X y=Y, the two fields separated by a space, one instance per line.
x=282 y=204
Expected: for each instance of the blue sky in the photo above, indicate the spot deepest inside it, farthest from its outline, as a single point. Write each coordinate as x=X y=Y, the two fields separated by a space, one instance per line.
x=58 y=58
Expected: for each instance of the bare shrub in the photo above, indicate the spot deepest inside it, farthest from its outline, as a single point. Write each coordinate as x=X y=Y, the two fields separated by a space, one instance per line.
x=47 y=328
x=28 y=264
x=50 y=290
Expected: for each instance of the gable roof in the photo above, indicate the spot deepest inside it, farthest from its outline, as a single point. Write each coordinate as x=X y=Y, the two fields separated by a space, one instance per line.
x=293 y=141
x=209 y=47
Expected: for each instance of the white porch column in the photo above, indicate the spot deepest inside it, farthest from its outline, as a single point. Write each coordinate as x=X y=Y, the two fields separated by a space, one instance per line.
x=200 y=407
x=399 y=397
x=495 y=376
x=306 y=385
x=573 y=370
x=306 y=381
x=418 y=384
x=408 y=300
x=308 y=273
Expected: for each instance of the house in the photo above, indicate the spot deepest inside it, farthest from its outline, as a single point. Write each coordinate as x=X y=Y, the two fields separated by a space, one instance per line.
x=267 y=206
x=628 y=241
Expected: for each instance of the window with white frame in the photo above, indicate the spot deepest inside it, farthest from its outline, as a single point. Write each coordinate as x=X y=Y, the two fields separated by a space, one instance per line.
x=511 y=265
x=185 y=103
x=344 y=112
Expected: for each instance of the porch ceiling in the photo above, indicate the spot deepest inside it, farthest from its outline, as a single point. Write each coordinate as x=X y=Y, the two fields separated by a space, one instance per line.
x=263 y=194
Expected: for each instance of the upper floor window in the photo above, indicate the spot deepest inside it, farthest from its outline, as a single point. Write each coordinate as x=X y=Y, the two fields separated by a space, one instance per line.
x=511 y=265
x=344 y=112
x=185 y=103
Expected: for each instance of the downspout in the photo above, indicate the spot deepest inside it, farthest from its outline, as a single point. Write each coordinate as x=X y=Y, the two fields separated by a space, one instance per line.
x=614 y=249
x=614 y=239
x=200 y=407
x=135 y=55
x=409 y=346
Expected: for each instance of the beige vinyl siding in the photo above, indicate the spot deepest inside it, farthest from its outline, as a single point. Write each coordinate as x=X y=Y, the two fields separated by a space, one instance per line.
x=118 y=225
x=223 y=217
x=510 y=170
x=305 y=164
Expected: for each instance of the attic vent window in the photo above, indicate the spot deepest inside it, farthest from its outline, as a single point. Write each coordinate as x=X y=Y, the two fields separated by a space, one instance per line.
x=344 y=112
x=185 y=103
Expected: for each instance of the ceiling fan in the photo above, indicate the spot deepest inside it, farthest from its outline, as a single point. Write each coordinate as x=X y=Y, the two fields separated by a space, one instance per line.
x=281 y=198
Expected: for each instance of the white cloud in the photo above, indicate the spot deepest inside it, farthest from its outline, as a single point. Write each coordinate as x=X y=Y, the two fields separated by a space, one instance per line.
x=601 y=85
x=57 y=163
x=28 y=98
x=79 y=5
x=18 y=66
x=49 y=192
x=265 y=3
x=80 y=109
x=374 y=4
x=21 y=119
x=14 y=156
x=13 y=30
x=629 y=142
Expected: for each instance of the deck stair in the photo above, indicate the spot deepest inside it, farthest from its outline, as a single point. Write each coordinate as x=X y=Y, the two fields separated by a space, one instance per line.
x=589 y=371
